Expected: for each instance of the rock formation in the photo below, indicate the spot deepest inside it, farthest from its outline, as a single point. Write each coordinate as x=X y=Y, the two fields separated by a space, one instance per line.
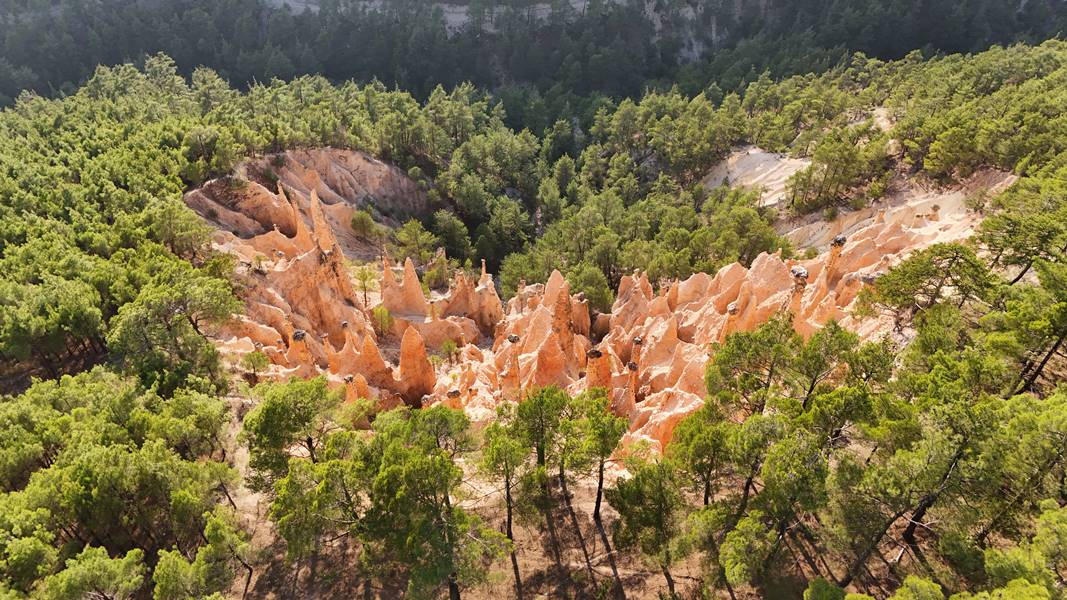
x=449 y=318
x=649 y=352
x=301 y=310
x=653 y=347
x=415 y=377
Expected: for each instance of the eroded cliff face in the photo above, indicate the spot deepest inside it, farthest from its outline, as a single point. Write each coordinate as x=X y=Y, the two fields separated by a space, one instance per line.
x=293 y=245
x=649 y=351
x=250 y=205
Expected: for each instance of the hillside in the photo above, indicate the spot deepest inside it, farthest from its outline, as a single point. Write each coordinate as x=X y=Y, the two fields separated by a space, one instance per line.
x=654 y=384
x=798 y=338
x=545 y=61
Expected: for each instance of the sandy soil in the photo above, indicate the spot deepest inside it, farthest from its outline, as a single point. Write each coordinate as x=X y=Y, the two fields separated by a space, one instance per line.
x=335 y=572
x=881 y=117
x=754 y=168
x=908 y=204
x=551 y=559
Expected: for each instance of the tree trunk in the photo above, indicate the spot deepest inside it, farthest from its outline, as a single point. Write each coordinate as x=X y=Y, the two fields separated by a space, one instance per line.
x=746 y=492
x=995 y=263
x=861 y=558
x=600 y=492
x=807 y=395
x=1034 y=482
x=193 y=323
x=742 y=506
x=508 y=503
x=770 y=375
x=782 y=528
x=453 y=583
x=248 y=570
x=909 y=534
x=929 y=499
x=1030 y=381
x=917 y=517
x=722 y=574
x=574 y=522
x=1026 y=269
x=667 y=576
x=824 y=185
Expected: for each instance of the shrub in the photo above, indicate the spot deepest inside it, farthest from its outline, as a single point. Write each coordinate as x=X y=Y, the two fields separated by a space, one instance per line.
x=589 y=280
x=450 y=349
x=269 y=176
x=363 y=225
x=383 y=320
x=437 y=275
x=255 y=362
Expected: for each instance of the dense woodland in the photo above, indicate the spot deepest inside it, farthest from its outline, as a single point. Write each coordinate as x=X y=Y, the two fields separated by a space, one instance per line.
x=545 y=61
x=810 y=458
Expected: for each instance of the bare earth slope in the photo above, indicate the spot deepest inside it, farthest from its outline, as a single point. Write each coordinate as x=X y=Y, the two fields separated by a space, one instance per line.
x=753 y=168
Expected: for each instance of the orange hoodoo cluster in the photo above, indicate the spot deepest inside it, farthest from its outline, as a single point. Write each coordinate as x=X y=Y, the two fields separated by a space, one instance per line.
x=649 y=352
x=303 y=313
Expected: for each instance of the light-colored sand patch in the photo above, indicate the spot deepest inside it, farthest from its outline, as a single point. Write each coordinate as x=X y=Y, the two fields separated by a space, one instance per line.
x=751 y=167
x=882 y=119
x=933 y=215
